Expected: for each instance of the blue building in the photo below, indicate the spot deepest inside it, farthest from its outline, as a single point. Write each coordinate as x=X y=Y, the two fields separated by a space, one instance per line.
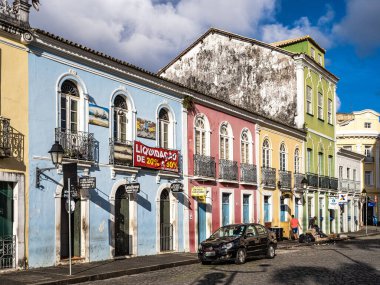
x=119 y=124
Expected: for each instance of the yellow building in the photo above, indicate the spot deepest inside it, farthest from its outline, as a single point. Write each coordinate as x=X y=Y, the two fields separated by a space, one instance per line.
x=13 y=144
x=360 y=132
x=281 y=171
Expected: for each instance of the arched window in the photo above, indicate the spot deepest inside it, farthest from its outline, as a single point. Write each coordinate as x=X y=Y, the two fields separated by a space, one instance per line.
x=244 y=147
x=200 y=136
x=224 y=143
x=297 y=160
x=69 y=107
x=266 y=154
x=120 y=121
x=163 y=128
x=282 y=157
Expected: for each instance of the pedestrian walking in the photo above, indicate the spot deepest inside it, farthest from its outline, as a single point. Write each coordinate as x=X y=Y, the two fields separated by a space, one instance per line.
x=312 y=222
x=295 y=225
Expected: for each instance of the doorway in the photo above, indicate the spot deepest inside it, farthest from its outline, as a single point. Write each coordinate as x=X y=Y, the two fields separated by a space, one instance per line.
x=201 y=222
x=75 y=219
x=166 y=227
x=7 y=237
x=122 y=234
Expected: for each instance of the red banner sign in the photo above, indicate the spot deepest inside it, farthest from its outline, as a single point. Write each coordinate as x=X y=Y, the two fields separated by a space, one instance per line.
x=155 y=157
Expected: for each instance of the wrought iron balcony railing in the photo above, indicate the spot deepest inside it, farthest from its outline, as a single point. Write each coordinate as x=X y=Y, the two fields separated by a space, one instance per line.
x=333 y=183
x=7 y=251
x=248 y=173
x=357 y=187
x=324 y=182
x=297 y=180
x=343 y=185
x=11 y=141
x=228 y=170
x=204 y=166
x=285 y=179
x=312 y=178
x=268 y=176
x=78 y=145
x=121 y=152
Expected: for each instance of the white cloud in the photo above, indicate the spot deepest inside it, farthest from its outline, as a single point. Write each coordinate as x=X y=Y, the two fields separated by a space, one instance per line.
x=147 y=33
x=360 y=26
x=338 y=103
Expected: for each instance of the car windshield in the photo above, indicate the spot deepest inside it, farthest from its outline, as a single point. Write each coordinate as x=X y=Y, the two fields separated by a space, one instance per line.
x=229 y=231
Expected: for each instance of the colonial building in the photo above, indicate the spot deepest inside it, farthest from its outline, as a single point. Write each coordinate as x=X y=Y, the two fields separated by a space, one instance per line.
x=13 y=135
x=360 y=132
x=350 y=173
x=284 y=81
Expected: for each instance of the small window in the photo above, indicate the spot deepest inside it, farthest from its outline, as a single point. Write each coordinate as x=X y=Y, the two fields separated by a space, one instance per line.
x=319 y=58
x=297 y=161
x=312 y=52
x=367 y=125
x=200 y=136
x=282 y=157
x=368 y=151
x=320 y=105
x=266 y=154
x=329 y=111
x=309 y=100
x=261 y=230
x=309 y=160
x=368 y=178
x=354 y=174
x=120 y=119
x=320 y=163
x=69 y=107
x=224 y=143
x=244 y=148
x=341 y=172
x=164 y=128
x=348 y=173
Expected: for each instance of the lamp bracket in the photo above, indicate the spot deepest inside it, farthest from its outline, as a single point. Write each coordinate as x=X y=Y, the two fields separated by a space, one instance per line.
x=40 y=172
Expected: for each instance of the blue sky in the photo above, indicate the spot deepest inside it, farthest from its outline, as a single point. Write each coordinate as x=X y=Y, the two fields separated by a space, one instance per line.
x=149 y=33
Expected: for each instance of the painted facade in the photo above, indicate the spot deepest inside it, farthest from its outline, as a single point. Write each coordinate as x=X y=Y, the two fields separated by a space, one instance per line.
x=360 y=132
x=281 y=172
x=91 y=104
x=350 y=174
x=13 y=139
x=222 y=163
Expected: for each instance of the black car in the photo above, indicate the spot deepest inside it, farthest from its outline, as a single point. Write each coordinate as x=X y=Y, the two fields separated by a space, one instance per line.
x=237 y=242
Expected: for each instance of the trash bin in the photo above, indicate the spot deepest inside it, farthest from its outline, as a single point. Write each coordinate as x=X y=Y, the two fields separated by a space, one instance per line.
x=279 y=233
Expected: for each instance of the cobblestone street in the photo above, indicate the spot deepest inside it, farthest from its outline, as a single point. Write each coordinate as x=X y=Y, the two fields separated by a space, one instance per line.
x=350 y=262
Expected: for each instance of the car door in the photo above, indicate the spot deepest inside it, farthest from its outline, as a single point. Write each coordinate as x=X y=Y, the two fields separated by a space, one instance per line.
x=252 y=240
x=263 y=237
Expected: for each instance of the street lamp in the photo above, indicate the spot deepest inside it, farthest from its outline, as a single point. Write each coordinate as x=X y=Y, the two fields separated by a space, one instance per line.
x=364 y=198
x=56 y=153
x=304 y=183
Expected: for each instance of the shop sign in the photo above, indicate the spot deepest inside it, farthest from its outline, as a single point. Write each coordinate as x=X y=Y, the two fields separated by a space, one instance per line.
x=132 y=188
x=201 y=199
x=176 y=187
x=342 y=198
x=87 y=182
x=155 y=157
x=371 y=204
x=198 y=191
x=333 y=203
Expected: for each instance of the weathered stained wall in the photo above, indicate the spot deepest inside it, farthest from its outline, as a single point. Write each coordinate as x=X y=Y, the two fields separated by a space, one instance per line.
x=253 y=77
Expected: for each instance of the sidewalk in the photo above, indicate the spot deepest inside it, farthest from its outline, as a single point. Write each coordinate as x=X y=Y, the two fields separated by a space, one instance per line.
x=59 y=275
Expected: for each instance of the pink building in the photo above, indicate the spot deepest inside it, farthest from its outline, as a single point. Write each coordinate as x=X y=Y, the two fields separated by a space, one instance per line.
x=222 y=171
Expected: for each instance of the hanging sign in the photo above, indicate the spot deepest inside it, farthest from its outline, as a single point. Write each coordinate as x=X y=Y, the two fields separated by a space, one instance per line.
x=132 y=188
x=176 y=187
x=333 y=203
x=155 y=157
x=198 y=191
x=87 y=182
x=342 y=198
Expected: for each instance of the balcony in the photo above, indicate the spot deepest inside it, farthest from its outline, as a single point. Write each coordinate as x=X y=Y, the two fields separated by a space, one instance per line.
x=78 y=145
x=285 y=180
x=121 y=152
x=228 y=170
x=297 y=181
x=204 y=166
x=11 y=141
x=268 y=176
x=312 y=179
x=248 y=173
x=369 y=159
x=324 y=182
x=357 y=187
x=333 y=183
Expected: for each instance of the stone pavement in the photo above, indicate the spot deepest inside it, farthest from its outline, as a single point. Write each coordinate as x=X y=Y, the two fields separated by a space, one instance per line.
x=82 y=272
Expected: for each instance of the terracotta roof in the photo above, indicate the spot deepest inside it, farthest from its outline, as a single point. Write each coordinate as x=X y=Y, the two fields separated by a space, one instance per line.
x=298 y=40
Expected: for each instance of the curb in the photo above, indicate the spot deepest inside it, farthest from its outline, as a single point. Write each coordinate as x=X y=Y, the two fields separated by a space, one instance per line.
x=114 y=274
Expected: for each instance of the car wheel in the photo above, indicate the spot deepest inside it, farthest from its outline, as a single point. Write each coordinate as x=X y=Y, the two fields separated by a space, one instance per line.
x=271 y=252
x=240 y=256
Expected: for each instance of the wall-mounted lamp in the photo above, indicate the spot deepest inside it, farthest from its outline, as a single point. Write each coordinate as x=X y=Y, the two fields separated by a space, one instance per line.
x=56 y=153
x=304 y=183
x=279 y=184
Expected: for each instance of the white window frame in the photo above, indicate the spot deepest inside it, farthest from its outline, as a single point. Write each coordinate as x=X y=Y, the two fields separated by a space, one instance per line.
x=127 y=112
x=68 y=99
x=247 y=144
x=309 y=159
x=204 y=136
x=320 y=58
x=312 y=53
x=227 y=140
x=266 y=154
x=367 y=125
x=283 y=157
x=309 y=100
x=368 y=151
x=297 y=160
x=320 y=105
x=329 y=112
x=370 y=177
x=171 y=127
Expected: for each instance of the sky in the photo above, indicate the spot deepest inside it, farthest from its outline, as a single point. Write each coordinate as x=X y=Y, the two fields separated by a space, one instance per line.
x=149 y=33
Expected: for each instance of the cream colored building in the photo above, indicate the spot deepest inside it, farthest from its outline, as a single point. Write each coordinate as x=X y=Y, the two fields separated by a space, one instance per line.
x=360 y=132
